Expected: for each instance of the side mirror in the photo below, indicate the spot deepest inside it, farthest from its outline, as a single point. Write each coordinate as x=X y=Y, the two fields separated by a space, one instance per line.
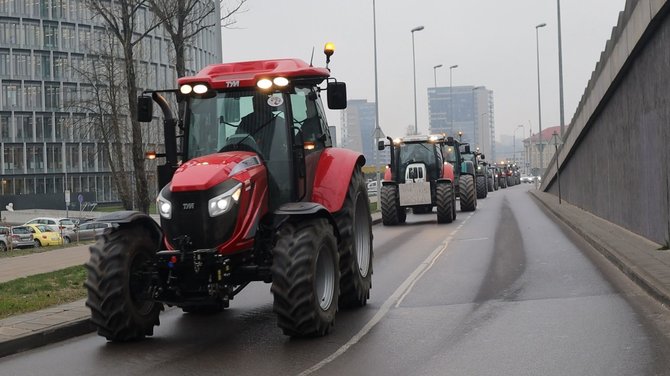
x=380 y=145
x=482 y=156
x=467 y=149
x=145 y=109
x=337 y=95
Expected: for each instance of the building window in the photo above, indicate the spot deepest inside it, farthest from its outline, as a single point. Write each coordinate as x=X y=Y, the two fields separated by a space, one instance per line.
x=35 y=158
x=50 y=35
x=5 y=128
x=4 y=63
x=68 y=37
x=62 y=130
x=52 y=96
x=70 y=96
x=13 y=158
x=9 y=32
x=61 y=67
x=33 y=96
x=72 y=155
x=88 y=157
x=84 y=38
x=43 y=127
x=54 y=158
x=33 y=34
x=22 y=64
x=24 y=127
x=11 y=95
x=42 y=65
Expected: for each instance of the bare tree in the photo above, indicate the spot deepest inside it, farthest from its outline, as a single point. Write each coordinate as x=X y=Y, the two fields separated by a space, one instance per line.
x=103 y=82
x=185 y=19
x=121 y=18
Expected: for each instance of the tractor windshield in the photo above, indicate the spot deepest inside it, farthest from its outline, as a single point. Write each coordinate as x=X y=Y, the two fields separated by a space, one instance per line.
x=449 y=154
x=239 y=120
x=425 y=153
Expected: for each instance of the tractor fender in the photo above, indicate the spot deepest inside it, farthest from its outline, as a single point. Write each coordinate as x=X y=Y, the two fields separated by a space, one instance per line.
x=301 y=210
x=130 y=217
x=332 y=177
x=448 y=171
x=387 y=174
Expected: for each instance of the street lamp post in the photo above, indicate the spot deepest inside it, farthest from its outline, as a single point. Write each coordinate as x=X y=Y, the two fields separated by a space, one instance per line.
x=378 y=131
x=435 y=73
x=416 y=125
x=560 y=70
x=451 y=96
x=514 y=142
x=539 y=102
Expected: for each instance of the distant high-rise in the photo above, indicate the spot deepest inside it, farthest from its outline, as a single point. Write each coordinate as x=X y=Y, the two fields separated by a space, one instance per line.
x=358 y=127
x=464 y=108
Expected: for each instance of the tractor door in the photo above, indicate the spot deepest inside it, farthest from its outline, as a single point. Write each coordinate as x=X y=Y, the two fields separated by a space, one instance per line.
x=310 y=137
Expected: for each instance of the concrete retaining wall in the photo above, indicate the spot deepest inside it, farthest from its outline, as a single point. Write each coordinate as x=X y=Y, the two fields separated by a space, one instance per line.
x=614 y=163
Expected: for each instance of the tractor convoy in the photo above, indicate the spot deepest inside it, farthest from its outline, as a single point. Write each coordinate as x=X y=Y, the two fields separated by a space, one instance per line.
x=251 y=190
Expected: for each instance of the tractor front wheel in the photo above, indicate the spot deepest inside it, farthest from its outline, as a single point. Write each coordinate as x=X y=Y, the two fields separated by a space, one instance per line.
x=468 y=195
x=482 y=190
x=118 y=282
x=305 y=278
x=355 y=226
x=391 y=210
x=444 y=196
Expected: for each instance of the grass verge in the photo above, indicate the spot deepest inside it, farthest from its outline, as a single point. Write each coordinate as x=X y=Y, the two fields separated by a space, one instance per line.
x=41 y=291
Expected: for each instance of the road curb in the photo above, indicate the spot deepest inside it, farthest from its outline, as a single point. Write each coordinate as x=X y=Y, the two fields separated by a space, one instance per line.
x=46 y=337
x=645 y=280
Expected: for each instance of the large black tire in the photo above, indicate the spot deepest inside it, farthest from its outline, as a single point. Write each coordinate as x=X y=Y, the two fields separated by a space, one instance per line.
x=355 y=226
x=503 y=182
x=510 y=181
x=468 y=196
x=117 y=285
x=391 y=210
x=482 y=191
x=489 y=182
x=444 y=197
x=305 y=278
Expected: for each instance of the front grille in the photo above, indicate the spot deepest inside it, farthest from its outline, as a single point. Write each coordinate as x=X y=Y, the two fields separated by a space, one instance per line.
x=191 y=227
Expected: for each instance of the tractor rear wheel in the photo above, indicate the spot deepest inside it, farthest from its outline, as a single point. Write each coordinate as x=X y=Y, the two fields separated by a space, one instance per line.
x=444 y=197
x=119 y=275
x=305 y=278
x=489 y=181
x=482 y=191
x=391 y=210
x=467 y=190
x=355 y=226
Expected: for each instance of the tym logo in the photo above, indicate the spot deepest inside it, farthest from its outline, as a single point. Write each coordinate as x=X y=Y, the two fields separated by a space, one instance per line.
x=189 y=206
x=233 y=84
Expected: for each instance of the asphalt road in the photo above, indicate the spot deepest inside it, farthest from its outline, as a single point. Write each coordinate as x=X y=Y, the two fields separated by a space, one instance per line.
x=502 y=291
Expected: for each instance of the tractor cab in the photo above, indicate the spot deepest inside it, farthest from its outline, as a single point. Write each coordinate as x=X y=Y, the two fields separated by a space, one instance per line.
x=416 y=158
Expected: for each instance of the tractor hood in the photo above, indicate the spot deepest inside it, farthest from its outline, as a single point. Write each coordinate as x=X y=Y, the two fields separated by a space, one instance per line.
x=205 y=172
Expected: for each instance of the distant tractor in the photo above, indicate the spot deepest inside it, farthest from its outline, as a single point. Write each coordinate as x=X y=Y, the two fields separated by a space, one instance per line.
x=251 y=190
x=480 y=172
x=464 y=173
x=418 y=177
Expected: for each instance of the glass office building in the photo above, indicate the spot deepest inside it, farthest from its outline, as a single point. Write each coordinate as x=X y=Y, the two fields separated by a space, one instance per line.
x=44 y=47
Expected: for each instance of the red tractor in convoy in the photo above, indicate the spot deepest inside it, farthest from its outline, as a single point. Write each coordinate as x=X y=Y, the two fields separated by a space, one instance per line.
x=418 y=177
x=251 y=190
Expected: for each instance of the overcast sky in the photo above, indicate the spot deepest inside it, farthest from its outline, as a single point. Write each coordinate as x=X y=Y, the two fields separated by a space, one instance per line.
x=492 y=41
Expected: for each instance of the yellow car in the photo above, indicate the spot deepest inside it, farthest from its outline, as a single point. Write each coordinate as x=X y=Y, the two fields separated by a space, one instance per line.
x=44 y=236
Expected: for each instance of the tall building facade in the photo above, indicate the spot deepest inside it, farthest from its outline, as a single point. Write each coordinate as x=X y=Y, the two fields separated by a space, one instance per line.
x=467 y=109
x=358 y=127
x=44 y=47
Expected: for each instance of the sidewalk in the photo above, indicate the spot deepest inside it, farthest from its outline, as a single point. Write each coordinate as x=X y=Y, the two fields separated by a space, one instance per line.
x=640 y=259
x=35 y=329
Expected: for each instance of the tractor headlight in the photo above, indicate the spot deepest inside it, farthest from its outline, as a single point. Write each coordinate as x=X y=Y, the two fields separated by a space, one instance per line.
x=164 y=207
x=223 y=202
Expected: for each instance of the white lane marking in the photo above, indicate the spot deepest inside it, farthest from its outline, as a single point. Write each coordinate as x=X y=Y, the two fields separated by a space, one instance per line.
x=397 y=296
x=471 y=239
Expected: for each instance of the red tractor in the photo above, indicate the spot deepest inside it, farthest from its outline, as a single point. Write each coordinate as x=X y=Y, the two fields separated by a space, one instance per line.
x=418 y=177
x=253 y=191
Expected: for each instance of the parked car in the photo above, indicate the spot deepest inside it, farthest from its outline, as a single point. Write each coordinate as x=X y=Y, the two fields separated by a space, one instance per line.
x=44 y=235
x=22 y=237
x=526 y=179
x=5 y=238
x=85 y=231
x=49 y=221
